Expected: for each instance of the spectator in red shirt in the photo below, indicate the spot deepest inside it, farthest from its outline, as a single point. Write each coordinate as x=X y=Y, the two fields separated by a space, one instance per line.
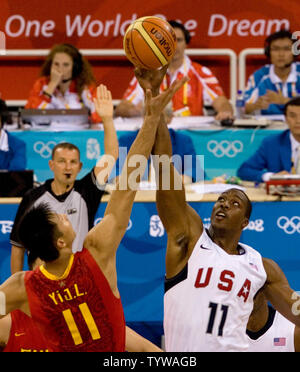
x=66 y=82
x=202 y=89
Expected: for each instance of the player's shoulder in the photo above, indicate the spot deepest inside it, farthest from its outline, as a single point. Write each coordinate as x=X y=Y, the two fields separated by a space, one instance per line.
x=252 y=255
x=272 y=269
x=16 y=283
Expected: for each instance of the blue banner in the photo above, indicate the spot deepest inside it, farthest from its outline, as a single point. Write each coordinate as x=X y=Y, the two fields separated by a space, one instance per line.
x=274 y=230
x=223 y=149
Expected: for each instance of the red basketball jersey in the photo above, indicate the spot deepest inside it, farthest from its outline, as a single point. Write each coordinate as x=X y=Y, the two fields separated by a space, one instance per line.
x=24 y=335
x=77 y=311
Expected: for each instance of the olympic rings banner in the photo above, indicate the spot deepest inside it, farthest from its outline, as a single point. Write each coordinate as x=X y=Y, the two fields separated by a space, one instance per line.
x=223 y=150
x=93 y=24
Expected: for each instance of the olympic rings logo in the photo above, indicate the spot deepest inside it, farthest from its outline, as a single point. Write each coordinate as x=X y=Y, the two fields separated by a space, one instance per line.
x=225 y=148
x=44 y=149
x=289 y=226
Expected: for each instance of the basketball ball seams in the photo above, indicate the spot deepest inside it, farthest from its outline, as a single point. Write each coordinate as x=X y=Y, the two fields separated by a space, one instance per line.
x=130 y=49
x=153 y=53
x=162 y=40
x=150 y=42
x=137 y=56
x=153 y=20
x=163 y=31
x=139 y=27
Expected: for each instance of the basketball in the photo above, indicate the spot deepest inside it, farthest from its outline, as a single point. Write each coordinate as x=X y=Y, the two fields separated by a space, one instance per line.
x=150 y=42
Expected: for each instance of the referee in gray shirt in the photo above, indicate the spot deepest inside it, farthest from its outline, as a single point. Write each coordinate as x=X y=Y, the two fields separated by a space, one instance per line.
x=78 y=199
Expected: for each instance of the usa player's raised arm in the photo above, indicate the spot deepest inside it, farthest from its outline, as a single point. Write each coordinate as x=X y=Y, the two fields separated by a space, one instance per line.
x=178 y=218
x=107 y=236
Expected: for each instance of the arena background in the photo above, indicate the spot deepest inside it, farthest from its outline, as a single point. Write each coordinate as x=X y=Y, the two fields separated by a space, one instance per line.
x=93 y=24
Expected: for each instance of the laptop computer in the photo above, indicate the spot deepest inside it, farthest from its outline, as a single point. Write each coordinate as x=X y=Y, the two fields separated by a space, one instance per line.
x=251 y=123
x=15 y=183
x=40 y=117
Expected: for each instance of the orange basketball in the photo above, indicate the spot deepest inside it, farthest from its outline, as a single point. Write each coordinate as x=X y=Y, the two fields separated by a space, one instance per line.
x=149 y=42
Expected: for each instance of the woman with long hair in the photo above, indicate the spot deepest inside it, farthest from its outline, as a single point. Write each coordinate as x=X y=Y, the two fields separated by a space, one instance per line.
x=66 y=82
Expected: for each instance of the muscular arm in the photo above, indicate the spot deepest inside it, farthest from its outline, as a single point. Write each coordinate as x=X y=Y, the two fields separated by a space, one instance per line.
x=105 y=237
x=118 y=210
x=182 y=223
x=137 y=343
x=15 y=294
x=297 y=339
x=17 y=259
x=104 y=108
x=279 y=293
x=5 y=325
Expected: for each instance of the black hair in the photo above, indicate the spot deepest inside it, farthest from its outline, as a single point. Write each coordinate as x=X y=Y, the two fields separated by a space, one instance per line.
x=187 y=35
x=65 y=145
x=248 y=205
x=292 y=102
x=281 y=34
x=38 y=233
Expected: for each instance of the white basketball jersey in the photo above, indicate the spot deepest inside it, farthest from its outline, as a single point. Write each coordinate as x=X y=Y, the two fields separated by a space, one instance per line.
x=279 y=337
x=209 y=309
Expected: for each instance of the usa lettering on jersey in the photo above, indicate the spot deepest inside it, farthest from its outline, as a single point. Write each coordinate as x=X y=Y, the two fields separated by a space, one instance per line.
x=225 y=282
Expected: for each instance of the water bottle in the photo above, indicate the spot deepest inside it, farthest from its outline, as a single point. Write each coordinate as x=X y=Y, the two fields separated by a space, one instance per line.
x=240 y=105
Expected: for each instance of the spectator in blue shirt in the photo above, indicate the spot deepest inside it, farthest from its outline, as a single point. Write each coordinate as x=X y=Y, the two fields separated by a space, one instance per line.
x=12 y=149
x=273 y=85
x=278 y=154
